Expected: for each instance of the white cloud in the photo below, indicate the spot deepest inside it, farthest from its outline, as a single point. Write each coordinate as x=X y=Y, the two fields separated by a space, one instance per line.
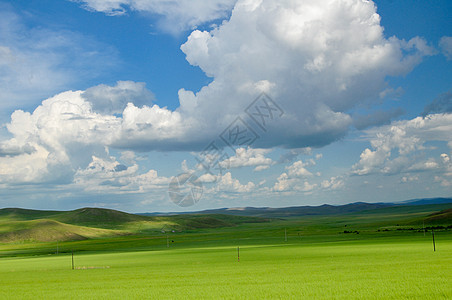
x=287 y=184
x=207 y=178
x=249 y=157
x=175 y=15
x=306 y=187
x=370 y=160
x=445 y=44
x=333 y=183
x=396 y=147
x=320 y=58
x=35 y=167
x=64 y=133
x=295 y=179
x=317 y=60
x=297 y=169
x=283 y=183
x=228 y=184
x=430 y=164
x=109 y=176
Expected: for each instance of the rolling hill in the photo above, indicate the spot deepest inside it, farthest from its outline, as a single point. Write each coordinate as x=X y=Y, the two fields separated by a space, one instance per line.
x=45 y=230
x=96 y=216
x=17 y=224
x=22 y=214
x=441 y=217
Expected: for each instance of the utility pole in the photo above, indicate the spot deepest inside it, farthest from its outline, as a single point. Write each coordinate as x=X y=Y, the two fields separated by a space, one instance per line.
x=238 y=254
x=72 y=259
x=433 y=237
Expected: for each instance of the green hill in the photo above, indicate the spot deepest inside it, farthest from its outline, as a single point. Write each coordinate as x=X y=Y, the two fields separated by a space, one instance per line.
x=44 y=230
x=21 y=214
x=17 y=224
x=98 y=216
x=441 y=217
x=80 y=216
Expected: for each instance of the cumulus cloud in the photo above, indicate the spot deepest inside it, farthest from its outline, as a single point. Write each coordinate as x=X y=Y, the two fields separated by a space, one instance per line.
x=294 y=180
x=396 y=148
x=106 y=175
x=445 y=43
x=316 y=60
x=227 y=183
x=64 y=132
x=36 y=61
x=175 y=16
x=290 y=185
x=445 y=179
x=207 y=178
x=249 y=157
x=283 y=183
x=333 y=183
x=298 y=169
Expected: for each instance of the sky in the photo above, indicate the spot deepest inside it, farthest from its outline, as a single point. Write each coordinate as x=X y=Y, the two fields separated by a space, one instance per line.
x=185 y=105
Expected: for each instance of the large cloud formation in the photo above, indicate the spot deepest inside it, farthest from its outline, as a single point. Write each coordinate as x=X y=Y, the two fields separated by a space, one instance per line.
x=316 y=59
x=175 y=16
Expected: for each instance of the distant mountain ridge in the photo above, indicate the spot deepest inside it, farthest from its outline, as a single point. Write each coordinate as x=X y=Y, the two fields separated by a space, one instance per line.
x=426 y=201
x=294 y=211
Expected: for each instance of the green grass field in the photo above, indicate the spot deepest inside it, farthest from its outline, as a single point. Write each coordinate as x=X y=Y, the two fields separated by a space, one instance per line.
x=390 y=258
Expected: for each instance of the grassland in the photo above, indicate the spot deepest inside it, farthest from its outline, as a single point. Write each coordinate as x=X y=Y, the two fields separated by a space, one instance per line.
x=383 y=254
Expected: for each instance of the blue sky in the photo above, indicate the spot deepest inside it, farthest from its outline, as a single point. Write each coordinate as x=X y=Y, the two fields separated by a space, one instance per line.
x=104 y=103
